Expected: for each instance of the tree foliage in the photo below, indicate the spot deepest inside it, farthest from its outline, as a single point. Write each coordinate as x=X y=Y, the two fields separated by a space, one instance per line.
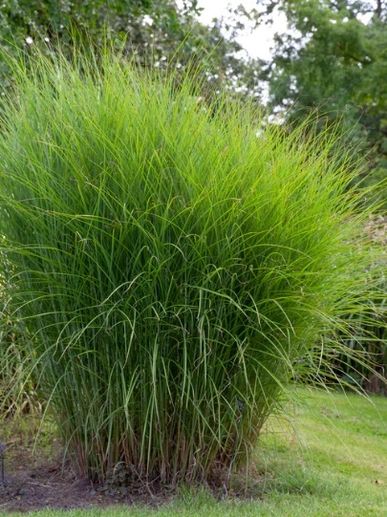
x=152 y=32
x=333 y=59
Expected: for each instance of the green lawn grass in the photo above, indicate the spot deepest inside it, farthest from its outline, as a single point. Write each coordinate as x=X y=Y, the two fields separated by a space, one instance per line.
x=327 y=458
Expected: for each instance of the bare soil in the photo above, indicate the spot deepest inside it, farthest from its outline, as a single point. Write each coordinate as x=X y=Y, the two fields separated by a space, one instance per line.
x=36 y=477
x=33 y=481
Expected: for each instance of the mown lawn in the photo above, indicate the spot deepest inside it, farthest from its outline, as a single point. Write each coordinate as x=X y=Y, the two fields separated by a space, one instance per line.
x=327 y=458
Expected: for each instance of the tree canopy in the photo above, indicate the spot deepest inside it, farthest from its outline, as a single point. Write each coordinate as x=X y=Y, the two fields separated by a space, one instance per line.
x=152 y=32
x=333 y=59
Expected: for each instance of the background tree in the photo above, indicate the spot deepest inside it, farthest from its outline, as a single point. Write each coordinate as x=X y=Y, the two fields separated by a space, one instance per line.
x=333 y=59
x=154 y=32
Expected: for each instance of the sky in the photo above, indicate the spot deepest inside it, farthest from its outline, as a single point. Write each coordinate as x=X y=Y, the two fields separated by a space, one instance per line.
x=257 y=42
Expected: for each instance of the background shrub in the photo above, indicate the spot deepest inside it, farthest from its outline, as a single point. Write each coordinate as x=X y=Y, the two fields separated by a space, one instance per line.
x=370 y=338
x=174 y=262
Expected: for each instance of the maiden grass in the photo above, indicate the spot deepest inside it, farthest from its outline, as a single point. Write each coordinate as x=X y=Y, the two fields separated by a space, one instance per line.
x=173 y=267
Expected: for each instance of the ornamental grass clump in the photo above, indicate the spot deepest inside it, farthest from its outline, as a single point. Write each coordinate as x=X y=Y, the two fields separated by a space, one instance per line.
x=173 y=262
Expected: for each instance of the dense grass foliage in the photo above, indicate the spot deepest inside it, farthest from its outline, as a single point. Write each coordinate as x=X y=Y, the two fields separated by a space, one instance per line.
x=173 y=261
x=17 y=391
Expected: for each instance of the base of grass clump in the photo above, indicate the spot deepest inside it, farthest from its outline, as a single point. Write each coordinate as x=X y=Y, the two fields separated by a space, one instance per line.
x=324 y=459
x=36 y=477
x=171 y=266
